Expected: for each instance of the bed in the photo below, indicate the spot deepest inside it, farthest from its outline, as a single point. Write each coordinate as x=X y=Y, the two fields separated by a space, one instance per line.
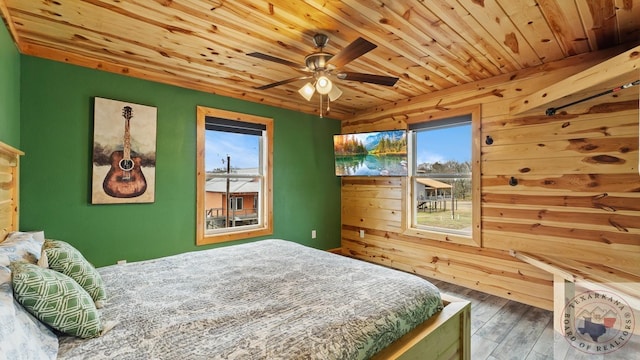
x=269 y=299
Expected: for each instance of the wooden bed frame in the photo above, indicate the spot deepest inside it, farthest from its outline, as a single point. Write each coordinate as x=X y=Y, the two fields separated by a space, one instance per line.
x=9 y=189
x=446 y=335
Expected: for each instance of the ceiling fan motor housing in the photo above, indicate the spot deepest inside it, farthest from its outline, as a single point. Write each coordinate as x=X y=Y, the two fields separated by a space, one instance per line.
x=322 y=65
x=320 y=40
x=318 y=61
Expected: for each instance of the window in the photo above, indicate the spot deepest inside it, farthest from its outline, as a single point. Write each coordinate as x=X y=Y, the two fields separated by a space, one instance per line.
x=237 y=203
x=444 y=184
x=234 y=172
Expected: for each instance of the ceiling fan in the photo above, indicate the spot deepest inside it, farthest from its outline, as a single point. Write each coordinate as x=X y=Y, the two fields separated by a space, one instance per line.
x=322 y=66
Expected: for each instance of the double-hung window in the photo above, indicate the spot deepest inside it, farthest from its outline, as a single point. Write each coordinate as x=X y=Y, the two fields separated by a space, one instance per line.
x=444 y=184
x=234 y=176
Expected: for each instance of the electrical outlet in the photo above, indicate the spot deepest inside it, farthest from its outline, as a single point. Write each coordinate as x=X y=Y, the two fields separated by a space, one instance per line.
x=313 y=234
x=361 y=233
x=121 y=262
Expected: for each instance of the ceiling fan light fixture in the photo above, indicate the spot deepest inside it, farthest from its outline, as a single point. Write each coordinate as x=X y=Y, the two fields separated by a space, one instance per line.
x=321 y=66
x=335 y=93
x=307 y=91
x=324 y=85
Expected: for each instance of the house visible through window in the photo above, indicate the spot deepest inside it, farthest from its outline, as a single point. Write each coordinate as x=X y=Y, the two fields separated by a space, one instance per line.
x=443 y=197
x=233 y=165
x=234 y=171
x=237 y=203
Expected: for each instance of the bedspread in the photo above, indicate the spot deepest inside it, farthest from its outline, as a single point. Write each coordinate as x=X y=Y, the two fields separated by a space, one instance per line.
x=270 y=299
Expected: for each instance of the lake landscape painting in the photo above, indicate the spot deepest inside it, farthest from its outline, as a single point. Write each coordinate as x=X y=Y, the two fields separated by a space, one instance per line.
x=379 y=153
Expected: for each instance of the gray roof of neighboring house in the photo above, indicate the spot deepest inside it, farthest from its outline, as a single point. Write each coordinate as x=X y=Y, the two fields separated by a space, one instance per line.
x=236 y=185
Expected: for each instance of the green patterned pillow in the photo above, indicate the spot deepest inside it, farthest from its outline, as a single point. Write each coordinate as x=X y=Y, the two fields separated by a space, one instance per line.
x=66 y=259
x=56 y=299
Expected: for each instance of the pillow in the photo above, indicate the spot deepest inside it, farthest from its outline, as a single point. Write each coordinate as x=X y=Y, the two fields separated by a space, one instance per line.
x=39 y=236
x=55 y=299
x=20 y=246
x=43 y=262
x=66 y=259
x=22 y=337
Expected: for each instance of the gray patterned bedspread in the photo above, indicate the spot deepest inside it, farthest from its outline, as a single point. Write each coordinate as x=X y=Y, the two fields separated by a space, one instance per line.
x=270 y=299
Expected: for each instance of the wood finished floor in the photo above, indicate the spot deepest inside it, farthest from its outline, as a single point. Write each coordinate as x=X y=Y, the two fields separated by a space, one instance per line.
x=504 y=329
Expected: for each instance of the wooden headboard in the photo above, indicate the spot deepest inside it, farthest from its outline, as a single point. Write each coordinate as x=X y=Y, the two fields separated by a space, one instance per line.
x=9 y=189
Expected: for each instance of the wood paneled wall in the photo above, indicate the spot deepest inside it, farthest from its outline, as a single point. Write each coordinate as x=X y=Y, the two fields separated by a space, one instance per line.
x=578 y=192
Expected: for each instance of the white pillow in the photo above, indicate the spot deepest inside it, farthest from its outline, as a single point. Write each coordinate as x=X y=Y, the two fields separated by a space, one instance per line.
x=43 y=262
x=21 y=246
x=38 y=235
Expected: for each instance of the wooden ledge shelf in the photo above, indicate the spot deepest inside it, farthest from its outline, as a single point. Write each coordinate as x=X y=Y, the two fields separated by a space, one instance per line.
x=618 y=70
x=568 y=272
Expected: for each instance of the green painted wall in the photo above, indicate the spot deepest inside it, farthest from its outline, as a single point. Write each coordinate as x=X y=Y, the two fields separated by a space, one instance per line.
x=9 y=90
x=56 y=135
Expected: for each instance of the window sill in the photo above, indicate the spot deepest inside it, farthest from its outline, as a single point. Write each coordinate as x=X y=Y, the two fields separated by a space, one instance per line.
x=232 y=236
x=441 y=236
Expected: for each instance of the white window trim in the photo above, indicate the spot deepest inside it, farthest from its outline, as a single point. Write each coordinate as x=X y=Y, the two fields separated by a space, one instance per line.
x=238 y=200
x=476 y=236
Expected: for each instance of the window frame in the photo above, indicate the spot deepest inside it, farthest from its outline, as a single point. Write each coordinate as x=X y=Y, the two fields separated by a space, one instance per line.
x=238 y=200
x=266 y=227
x=452 y=237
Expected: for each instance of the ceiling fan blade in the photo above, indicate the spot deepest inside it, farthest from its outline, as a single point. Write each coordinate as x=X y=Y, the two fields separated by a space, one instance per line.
x=269 y=86
x=275 y=59
x=368 y=78
x=357 y=48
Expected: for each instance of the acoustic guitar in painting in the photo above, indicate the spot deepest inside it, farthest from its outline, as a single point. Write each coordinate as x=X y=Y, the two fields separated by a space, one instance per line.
x=125 y=178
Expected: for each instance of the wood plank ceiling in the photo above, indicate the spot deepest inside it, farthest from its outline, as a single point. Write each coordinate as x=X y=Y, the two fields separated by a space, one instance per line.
x=428 y=44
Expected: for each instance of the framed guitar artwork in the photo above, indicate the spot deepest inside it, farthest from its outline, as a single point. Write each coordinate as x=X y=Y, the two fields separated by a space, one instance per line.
x=124 y=152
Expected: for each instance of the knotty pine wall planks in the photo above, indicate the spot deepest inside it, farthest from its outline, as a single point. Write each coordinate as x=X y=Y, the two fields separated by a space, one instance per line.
x=578 y=192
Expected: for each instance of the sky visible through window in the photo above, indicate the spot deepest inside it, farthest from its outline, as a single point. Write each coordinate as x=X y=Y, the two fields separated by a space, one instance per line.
x=438 y=145
x=442 y=145
x=244 y=150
